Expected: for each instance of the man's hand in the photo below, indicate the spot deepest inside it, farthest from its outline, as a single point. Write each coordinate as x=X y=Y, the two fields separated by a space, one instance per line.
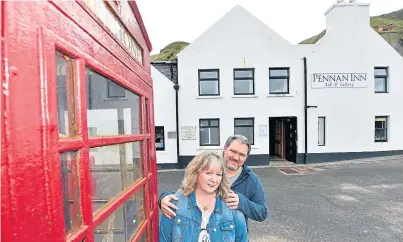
x=166 y=206
x=232 y=200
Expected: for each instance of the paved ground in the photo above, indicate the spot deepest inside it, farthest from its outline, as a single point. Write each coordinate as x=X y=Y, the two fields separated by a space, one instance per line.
x=359 y=201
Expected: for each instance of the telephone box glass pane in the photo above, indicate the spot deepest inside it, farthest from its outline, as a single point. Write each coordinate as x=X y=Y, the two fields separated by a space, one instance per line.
x=112 y=109
x=124 y=222
x=65 y=95
x=147 y=117
x=113 y=169
x=71 y=190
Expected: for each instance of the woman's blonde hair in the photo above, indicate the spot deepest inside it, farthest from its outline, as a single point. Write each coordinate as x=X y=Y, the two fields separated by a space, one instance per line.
x=196 y=167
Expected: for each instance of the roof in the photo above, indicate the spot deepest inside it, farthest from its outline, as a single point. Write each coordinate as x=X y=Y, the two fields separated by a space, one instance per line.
x=345 y=4
x=139 y=19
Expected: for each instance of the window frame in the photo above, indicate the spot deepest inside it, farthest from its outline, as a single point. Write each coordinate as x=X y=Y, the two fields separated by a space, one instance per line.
x=109 y=88
x=251 y=142
x=77 y=40
x=385 y=77
x=244 y=78
x=163 y=138
x=324 y=130
x=386 y=128
x=280 y=77
x=209 y=126
x=208 y=79
x=81 y=118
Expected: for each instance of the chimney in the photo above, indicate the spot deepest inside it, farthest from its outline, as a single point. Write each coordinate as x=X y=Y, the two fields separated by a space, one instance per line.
x=347 y=15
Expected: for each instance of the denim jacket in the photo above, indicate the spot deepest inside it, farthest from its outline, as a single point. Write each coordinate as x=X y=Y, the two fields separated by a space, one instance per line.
x=252 y=198
x=225 y=224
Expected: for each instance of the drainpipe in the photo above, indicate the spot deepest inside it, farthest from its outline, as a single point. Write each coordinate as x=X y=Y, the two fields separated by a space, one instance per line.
x=305 y=109
x=306 y=106
x=176 y=87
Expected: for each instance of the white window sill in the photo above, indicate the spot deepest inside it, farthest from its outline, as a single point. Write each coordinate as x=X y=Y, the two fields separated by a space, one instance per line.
x=217 y=148
x=245 y=96
x=209 y=148
x=209 y=97
x=110 y=99
x=281 y=95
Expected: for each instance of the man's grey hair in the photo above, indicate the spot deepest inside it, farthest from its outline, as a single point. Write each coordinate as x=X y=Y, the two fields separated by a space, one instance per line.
x=242 y=139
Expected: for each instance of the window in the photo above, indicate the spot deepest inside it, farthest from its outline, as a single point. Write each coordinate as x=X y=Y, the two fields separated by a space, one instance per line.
x=71 y=190
x=65 y=92
x=125 y=221
x=209 y=82
x=159 y=138
x=381 y=79
x=321 y=131
x=115 y=117
x=244 y=81
x=381 y=129
x=245 y=127
x=115 y=166
x=209 y=132
x=115 y=91
x=279 y=80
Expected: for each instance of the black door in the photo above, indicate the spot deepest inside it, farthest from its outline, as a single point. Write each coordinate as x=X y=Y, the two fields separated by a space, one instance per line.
x=291 y=139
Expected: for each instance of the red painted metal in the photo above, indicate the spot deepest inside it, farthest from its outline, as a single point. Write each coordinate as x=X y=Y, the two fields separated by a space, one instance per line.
x=31 y=191
x=70 y=143
x=153 y=162
x=6 y=207
x=118 y=139
x=137 y=14
x=51 y=169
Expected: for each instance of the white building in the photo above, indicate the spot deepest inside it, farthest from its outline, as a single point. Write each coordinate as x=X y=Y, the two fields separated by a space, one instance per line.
x=164 y=119
x=337 y=99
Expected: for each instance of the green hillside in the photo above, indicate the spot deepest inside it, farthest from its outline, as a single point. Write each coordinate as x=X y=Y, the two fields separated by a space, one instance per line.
x=381 y=21
x=170 y=51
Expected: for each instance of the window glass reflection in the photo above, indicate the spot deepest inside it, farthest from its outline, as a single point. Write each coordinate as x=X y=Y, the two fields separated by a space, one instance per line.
x=71 y=190
x=124 y=222
x=65 y=95
x=112 y=109
x=113 y=169
x=147 y=117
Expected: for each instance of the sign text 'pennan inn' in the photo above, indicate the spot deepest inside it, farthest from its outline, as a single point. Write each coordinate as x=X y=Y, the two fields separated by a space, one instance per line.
x=341 y=80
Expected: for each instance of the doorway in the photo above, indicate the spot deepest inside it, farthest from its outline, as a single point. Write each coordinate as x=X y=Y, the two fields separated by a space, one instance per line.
x=283 y=138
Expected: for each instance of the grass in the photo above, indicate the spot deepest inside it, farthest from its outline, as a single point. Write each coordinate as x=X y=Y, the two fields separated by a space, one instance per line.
x=381 y=21
x=169 y=52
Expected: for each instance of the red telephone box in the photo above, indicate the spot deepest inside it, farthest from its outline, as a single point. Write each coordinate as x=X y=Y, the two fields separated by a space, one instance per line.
x=78 y=151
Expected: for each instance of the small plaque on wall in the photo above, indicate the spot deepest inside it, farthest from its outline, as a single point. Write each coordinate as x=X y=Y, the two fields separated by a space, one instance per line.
x=262 y=130
x=188 y=132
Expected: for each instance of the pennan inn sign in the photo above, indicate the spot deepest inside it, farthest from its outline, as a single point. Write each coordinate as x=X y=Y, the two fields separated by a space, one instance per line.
x=339 y=80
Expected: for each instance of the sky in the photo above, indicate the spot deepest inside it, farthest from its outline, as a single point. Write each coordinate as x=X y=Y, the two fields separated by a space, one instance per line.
x=167 y=21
